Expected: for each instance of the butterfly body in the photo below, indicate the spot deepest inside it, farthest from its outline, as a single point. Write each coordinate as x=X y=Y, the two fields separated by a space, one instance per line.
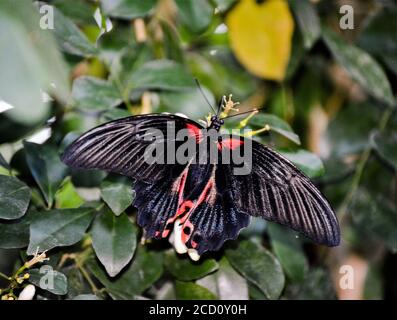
x=202 y=203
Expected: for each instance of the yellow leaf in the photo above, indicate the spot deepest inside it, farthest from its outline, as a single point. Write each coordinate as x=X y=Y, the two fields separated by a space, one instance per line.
x=260 y=36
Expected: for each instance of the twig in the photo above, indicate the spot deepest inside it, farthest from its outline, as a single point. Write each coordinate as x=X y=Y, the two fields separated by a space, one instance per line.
x=360 y=168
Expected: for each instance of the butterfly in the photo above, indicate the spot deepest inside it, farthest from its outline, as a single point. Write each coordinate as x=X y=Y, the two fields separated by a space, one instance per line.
x=200 y=205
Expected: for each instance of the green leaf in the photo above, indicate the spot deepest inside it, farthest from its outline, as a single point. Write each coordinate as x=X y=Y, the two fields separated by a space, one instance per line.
x=145 y=269
x=48 y=279
x=28 y=66
x=258 y=266
x=66 y=197
x=86 y=297
x=117 y=192
x=81 y=12
x=161 y=74
x=379 y=38
x=69 y=37
x=346 y=139
x=288 y=250
x=172 y=43
x=46 y=168
x=114 y=241
x=192 y=291
x=128 y=9
x=15 y=234
x=189 y=102
x=385 y=145
x=276 y=124
x=94 y=94
x=186 y=270
x=308 y=162
x=57 y=228
x=14 y=198
x=317 y=285
x=226 y=283
x=308 y=21
x=195 y=15
x=361 y=67
x=4 y=164
x=376 y=216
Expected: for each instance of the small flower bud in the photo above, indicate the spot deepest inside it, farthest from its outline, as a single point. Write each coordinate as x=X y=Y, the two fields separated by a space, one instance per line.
x=27 y=293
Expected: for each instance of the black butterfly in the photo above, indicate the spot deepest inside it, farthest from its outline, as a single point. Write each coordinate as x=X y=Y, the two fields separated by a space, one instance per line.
x=205 y=204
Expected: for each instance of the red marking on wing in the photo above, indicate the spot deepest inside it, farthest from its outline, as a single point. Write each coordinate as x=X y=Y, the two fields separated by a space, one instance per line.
x=230 y=143
x=194 y=131
x=184 y=209
x=205 y=194
x=182 y=187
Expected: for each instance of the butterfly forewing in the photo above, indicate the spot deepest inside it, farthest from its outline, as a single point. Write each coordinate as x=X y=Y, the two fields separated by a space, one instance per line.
x=119 y=146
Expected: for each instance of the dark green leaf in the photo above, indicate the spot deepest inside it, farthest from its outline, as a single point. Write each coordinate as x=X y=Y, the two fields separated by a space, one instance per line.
x=28 y=66
x=346 y=139
x=308 y=162
x=3 y=163
x=15 y=234
x=70 y=38
x=14 y=198
x=317 y=285
x=172 y=43
x=385 y=145
x=80 y=12
x=361 y=67
x=94 y=94
x=376 y=215
x=46 y=167
x=189 y=102
x=145 y=269
x=117 y=192
x=192 y=291
x=49 y=279
x=195 y=15
x=275 y=124
x=288 y=250
x=128 y=9
x=379 y=36
x=184 y=269
x=114 y=241
x=86 y=297
x=308 y=21
x=161 y=74
x=258 y=266
x=57 y=228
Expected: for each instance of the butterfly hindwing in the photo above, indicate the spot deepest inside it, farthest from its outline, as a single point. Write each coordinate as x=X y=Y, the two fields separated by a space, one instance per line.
x=278 y=191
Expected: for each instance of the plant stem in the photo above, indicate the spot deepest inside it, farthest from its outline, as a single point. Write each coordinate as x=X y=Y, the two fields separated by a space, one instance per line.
x=87 y=277
x=5 y=277
x=360 y=168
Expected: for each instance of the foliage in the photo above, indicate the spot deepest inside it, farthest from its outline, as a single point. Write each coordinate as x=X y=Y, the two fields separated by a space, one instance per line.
x=329 y=105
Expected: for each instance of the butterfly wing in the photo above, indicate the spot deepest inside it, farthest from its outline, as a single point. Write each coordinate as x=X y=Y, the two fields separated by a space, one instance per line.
x=119 y=146
x=278 y=191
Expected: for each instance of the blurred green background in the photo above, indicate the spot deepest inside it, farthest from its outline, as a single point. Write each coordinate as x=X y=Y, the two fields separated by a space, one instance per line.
x=329 y=100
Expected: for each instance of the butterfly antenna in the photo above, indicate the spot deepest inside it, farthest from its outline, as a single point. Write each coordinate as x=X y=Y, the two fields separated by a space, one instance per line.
x=221 y=103
x=241 y=113
x=203 y=94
